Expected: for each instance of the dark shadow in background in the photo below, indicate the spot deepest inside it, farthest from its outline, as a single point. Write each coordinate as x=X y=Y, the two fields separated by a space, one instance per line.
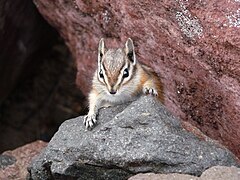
x=37 y=77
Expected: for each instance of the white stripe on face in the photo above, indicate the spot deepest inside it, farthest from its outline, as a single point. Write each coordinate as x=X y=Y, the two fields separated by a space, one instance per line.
x=112 y=66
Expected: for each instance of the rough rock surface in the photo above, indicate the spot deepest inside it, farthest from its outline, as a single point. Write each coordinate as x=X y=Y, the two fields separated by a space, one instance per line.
x=129 y=139
x=6 y=160
x=13 y=164
x=193 y=45
x=213 y=173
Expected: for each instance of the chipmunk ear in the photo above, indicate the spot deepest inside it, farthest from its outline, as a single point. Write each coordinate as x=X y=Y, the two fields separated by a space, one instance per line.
x=129 y=49
x=101 y=50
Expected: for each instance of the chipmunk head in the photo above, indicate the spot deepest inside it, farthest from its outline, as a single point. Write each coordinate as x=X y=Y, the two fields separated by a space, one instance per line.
x=116 y=66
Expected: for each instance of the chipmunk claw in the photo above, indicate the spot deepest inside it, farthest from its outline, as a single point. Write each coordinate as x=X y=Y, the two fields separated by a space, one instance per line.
x=90 y=120
x=150 y=91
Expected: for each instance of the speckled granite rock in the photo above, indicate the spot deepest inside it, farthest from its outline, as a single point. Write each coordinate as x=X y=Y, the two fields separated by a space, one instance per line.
x=193 y=45
x=129 y=139
x=213 y=173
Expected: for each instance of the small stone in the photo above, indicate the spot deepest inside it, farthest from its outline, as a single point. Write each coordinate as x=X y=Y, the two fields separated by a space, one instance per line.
x=6 y=160
x=13 y=164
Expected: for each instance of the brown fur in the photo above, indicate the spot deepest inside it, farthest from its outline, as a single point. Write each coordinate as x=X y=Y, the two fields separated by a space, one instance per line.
x=137 y=80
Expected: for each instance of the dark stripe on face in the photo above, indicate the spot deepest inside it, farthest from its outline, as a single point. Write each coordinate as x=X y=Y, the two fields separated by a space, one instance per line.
x=132 y=74
x=104 y=67
x=120 y=73
x=101 y=79
x=106 y=72
x=112 y=74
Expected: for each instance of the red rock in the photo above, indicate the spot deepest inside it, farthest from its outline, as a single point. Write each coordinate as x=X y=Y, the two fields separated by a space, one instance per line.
x=193 y=45
x=23 y=156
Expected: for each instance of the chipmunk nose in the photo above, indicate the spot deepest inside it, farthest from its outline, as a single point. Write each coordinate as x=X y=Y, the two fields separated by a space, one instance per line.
x=112 y=91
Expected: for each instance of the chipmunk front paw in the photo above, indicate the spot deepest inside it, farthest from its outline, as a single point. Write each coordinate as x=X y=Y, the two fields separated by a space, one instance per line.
x=90 y=120
x=150 y=91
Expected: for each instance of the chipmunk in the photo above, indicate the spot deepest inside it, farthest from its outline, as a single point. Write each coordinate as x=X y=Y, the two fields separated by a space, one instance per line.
x=119 y=78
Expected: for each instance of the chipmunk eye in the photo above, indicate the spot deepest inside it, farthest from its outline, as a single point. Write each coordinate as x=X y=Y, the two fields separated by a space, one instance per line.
x=101 y=74
x=125 y=73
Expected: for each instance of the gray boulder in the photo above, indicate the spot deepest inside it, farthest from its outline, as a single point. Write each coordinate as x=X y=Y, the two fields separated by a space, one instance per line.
x=128 y=139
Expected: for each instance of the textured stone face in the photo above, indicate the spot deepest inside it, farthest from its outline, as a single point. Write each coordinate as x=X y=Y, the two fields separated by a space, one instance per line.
x=13 y=164
x=129 y=139
x=193 y=45
x=214 y=173
x=6 y=160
